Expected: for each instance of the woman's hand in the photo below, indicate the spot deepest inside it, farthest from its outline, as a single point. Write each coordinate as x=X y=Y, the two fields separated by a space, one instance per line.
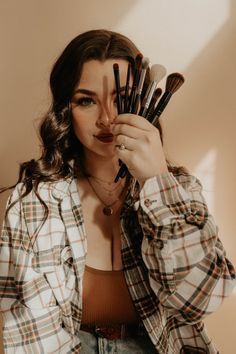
x=143 y=153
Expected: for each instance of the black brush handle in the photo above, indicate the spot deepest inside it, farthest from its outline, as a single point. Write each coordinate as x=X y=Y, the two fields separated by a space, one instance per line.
x=134 y=88
x=160 y=107
x=129 y=108
x=153 y=103
x=121 y=173
x=126 y=99
x=136 y=104
x=156 y=114
x=117 y=83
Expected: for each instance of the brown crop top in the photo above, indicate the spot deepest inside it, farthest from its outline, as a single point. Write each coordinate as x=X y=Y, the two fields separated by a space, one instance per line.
x=106 y=298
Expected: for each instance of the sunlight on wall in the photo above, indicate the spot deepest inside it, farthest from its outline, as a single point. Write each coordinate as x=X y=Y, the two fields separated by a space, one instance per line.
x=199 y=22
x=195 y=29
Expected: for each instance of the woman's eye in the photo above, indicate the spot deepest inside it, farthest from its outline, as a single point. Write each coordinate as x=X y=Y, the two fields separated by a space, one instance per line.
x=85 y=102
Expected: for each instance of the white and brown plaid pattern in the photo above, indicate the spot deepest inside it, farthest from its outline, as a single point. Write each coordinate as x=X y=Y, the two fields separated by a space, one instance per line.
x=174 y=264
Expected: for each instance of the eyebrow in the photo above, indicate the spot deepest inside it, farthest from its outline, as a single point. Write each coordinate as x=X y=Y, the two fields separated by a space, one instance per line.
x=86 y=92
x=92 y=93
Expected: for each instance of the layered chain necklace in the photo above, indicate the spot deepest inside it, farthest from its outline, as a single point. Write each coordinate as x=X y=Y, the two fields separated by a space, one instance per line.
x=108 y=209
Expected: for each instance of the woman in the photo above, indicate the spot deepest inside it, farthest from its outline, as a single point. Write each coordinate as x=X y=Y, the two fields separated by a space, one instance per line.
x=92 y=266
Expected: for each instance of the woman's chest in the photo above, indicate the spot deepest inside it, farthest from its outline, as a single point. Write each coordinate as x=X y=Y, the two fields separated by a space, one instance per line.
x=103 y=235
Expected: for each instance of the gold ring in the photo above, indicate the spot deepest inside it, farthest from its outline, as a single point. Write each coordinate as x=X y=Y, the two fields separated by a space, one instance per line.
x=122 y=147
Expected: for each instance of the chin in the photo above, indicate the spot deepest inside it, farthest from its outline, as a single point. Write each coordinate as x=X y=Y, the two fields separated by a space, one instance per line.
x=108 y=152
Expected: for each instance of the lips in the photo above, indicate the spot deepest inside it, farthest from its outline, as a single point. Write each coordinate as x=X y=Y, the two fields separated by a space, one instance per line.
x=105 y=138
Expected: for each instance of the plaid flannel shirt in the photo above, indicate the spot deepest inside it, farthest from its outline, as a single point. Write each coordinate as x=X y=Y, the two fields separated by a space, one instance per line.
x=174 y=265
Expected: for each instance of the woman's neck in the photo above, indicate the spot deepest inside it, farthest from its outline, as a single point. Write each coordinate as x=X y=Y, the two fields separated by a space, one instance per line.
x=102 y=167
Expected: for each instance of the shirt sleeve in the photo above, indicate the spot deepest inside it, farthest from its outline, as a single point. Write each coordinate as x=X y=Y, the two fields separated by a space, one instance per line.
x=187 y=265
x=31 y=317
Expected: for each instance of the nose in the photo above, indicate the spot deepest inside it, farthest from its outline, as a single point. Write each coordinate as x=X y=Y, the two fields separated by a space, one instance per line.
x=106 y=115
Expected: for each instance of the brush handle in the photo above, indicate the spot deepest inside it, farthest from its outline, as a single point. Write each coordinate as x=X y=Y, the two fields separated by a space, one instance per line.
x=147 y=99
x=123 y=168
x=156 y=114
x=133 y=91
x=131 y=103
x=137 y=99
x=121 y=173
x=128 y=108
x=153 y=103
x=136 y=104
x=160 y=107
x=117 y=83
x=145 y=112
x=126 y=99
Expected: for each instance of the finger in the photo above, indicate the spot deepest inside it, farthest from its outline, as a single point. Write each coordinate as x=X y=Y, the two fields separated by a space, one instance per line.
x=125 y=156
x=133 y=120
x=127 y=130
x=123 y=142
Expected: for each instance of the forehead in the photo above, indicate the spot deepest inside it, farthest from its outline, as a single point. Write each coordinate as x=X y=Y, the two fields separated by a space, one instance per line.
x=95 y=73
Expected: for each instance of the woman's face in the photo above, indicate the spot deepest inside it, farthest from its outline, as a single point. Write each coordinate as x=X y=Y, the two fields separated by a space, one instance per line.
x=94 y=105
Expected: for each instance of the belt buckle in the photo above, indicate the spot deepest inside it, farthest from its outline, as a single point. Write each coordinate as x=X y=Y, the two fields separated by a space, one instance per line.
x=110 y=333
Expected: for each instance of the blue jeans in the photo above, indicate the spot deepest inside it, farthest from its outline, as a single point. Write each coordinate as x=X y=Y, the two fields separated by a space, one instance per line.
x=92 y=344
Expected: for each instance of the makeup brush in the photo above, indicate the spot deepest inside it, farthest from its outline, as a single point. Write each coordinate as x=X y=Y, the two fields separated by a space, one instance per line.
x=121 y=173
x=155 y=97
x=156 y=75
x=126 y=99
x=173 y=82
x=138 y=61
x=123 y=169
x=117 y=83
x=145 y=63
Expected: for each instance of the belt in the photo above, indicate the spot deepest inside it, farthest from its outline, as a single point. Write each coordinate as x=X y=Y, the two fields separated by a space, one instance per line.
x=116 y=331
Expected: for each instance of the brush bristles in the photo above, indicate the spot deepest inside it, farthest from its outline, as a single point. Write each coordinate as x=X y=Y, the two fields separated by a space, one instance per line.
x=157 y=93
x=138 y=60
x=174 y=82
x=145 y=63
x=116 y=66
x=157 y=72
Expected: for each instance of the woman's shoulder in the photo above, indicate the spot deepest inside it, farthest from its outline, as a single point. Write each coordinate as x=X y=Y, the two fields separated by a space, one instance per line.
x=45 y=190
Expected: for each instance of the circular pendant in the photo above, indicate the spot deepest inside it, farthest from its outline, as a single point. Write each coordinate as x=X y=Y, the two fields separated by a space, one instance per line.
x=107 y=210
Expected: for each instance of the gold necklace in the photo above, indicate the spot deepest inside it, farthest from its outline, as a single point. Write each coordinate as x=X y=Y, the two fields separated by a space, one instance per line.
x=107 y=190
x=101 y=180
x=107 y=209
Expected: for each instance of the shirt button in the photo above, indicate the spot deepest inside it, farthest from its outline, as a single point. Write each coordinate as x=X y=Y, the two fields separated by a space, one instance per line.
x=159 y=244
x=147 y=202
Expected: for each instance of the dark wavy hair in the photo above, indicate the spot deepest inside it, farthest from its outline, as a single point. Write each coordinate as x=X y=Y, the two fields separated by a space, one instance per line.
x=62 y=154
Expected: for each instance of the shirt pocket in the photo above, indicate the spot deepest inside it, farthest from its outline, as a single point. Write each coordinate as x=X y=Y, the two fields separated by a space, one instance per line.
x=36 y=293
x=53 y=278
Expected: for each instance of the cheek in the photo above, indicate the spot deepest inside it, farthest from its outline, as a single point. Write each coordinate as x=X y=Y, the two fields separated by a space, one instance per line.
x=82 y=127
x=78 y=127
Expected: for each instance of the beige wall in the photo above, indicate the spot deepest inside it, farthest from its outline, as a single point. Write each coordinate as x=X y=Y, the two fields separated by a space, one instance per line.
x=196 y=38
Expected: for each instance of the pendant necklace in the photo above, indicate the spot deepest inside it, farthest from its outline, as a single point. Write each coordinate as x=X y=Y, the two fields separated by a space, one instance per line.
x=107 y=190
x=108 y=208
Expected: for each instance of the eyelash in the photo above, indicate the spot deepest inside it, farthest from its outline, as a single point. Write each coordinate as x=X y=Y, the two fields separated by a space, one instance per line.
x=88 y=101
x=85 y=102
